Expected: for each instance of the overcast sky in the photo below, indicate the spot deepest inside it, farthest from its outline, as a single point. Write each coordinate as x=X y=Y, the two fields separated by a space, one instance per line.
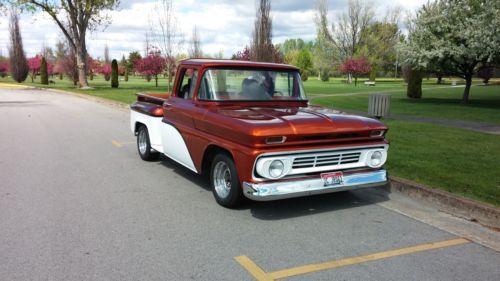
x=223 y=25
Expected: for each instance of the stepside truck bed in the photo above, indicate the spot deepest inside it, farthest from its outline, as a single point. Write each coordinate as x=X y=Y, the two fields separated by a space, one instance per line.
x=148 y=110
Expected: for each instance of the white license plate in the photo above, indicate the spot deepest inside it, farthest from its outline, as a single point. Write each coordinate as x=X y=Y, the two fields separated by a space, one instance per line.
x=333 y=178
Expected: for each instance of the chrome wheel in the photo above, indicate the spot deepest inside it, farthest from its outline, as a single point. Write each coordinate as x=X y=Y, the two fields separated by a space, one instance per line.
x=222 y=179
x=143 y=142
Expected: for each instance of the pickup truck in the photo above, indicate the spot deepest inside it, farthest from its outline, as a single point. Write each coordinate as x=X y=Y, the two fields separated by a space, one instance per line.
x=248 y=126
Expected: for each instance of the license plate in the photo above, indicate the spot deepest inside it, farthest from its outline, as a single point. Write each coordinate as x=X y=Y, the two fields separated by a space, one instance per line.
x=334 y=178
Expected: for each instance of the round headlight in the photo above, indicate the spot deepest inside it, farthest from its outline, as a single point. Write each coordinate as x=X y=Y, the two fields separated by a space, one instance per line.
x=376 y=159
x=276 y=168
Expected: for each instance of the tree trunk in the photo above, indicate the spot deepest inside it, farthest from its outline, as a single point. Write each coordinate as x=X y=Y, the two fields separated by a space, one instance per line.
x=355 y=81
x=468 y=84
x=439 y=78
x=156 y=80
x=81 y=63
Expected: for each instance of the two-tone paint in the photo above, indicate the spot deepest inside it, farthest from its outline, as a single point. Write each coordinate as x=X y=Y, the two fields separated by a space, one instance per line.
x=194 y=130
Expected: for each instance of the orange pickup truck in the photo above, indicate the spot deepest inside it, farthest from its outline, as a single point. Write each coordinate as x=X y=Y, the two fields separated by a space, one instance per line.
x=249 y=127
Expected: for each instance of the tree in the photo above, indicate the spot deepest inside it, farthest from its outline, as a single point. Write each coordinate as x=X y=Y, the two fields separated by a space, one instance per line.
x=195 y=50
x=44 y=75
x=105 y=70
x=133 y=57
x=106 y=54
x=114 y=74
x=414 y=88
x=18 y=63
x=61 y=51
x=167 y=36
x=4 y=68
x=325 y=51
x=152 y=65
x=34 y=66
x=75 y=18
x=304 y=62
x=67 y=65
x=486 y=72
x=355 y=68
x=347 y=34
x=463 y=34
x=262 y=45
x=124 y=66
x=378 y=45
x=242 y=55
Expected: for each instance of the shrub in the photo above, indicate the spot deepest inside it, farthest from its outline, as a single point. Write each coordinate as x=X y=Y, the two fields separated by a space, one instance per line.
x=486 y=72
x=4 y=68
x=324 y=75
x=114 y=74
x=304 y=76
x=414 y=89
x=44 y=77
x=126 y=75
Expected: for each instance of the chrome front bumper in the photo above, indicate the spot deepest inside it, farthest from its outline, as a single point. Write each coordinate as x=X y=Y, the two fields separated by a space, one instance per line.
x=288 y=189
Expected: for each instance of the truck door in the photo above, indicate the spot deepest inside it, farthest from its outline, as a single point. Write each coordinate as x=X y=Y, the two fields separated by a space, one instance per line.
x=178 y=122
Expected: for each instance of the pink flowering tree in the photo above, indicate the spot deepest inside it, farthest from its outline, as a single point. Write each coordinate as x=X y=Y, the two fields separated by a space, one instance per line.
x=105 y=70
x=34 y=66
x=151 y=66
x=67 y=65
x=4 y=68
x=355 y=68
x=242 y=55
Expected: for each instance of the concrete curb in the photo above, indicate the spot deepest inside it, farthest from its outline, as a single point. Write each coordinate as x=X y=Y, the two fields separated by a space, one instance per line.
x=485 y=214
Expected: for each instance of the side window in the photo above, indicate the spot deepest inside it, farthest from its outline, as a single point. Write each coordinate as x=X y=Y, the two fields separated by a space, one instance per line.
x=186 y=89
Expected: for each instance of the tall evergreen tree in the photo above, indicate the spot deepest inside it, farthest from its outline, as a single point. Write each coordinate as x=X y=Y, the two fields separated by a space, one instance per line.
x=114 y=74
x=44 y=77
x=18 y=62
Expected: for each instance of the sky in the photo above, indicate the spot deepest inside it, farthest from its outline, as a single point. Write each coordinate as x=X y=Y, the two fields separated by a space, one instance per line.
x=223 y=25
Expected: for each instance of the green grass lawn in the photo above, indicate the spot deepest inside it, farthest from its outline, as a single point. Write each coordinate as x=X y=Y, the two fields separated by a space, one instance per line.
x=438 y=101
x=459 y=161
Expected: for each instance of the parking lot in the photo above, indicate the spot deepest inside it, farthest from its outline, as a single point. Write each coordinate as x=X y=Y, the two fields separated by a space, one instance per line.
x=77 y=203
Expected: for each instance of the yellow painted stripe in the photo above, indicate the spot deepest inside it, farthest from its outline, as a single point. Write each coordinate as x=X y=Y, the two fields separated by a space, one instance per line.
x=116 y=143
x=12 y=86
x=361 y=259
x=253 y=268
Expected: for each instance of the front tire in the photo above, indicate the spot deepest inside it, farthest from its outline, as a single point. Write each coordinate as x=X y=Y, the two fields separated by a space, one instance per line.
x=144 y=145
x=225 y=182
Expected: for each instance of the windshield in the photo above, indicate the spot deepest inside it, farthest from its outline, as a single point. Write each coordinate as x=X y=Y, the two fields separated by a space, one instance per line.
x=251 y=85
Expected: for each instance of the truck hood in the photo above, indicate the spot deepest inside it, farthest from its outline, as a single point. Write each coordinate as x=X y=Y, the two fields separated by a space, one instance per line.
x=253 y=125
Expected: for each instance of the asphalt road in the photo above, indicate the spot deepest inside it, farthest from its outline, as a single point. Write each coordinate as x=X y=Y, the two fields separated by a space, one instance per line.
x=77 y=203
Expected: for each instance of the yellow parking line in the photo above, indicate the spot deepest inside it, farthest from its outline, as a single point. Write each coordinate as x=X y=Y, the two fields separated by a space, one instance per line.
x=259 y=274
x=121 y=143
x=372 y=257
x=117 y=143
x=253 y=268
x=12 y=86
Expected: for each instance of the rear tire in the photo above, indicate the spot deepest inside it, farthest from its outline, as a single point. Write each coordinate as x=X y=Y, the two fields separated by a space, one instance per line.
x=144 y=145
x=225 y=182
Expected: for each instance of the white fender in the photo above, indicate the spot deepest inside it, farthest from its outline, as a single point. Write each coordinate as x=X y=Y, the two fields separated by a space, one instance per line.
x=175 y=147
x=154 y=127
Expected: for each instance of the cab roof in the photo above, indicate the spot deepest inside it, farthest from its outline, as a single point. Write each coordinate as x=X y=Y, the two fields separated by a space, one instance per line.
x=235 y=63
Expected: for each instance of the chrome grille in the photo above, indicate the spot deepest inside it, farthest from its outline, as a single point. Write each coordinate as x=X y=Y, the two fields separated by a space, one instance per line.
x=325 y=159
